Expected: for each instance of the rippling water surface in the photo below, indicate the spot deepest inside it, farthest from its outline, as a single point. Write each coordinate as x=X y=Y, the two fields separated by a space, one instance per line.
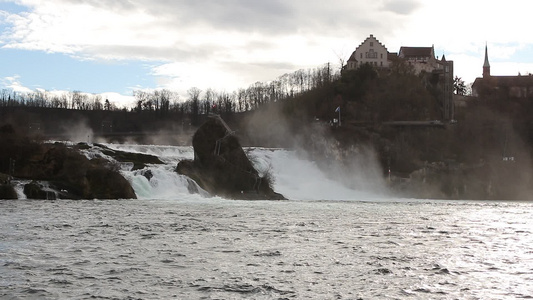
x=218 y=249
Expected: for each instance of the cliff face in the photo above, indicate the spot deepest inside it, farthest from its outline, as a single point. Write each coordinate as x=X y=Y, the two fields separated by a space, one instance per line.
x=221 y=167
x=482 y=160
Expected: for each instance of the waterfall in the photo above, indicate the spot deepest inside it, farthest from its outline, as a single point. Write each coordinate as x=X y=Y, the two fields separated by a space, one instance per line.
x=295 y=177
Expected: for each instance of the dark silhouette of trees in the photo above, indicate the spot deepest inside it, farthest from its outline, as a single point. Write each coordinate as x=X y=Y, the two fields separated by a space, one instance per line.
x=75 y=100
x=374 y=96
x=194 y=100
x=459 y=86
x=164 y=102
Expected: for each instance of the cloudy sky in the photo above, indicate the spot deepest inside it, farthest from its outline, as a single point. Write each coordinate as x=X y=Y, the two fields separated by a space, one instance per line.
x=116 y=47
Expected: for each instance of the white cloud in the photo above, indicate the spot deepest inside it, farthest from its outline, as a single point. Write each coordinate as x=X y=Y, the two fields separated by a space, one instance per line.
x=402 y=7
x=511 y=68
x=13 y=83
x=233 y=43
x=119 y=100
x=225 y=43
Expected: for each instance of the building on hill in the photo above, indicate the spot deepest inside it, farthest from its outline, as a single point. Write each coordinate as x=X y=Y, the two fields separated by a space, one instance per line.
x=444 y=72
x=422 y=59
x=370 y=51
x=512 y=86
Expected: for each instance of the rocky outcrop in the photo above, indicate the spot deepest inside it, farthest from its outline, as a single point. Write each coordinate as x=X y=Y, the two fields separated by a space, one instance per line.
x=79 y=177
x=34 y=190
x=6 y=189
x=7 y=192
x=138 y=160
x=58 y=167
x=221 y=167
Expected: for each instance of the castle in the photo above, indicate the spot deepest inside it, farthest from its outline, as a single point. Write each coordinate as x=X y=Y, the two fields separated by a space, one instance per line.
x=422 y=59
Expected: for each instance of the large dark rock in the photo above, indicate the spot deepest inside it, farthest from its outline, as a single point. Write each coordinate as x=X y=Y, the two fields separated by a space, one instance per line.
x=139 y=160
x=7 y=192
x=59 y=167
x=221 y=167
x=34 y=190
x=80 y=178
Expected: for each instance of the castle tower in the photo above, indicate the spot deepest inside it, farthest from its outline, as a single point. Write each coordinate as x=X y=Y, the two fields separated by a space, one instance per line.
x=486 y=65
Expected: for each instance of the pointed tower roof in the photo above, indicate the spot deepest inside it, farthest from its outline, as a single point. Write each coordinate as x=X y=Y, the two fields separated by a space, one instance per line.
x=486 y=63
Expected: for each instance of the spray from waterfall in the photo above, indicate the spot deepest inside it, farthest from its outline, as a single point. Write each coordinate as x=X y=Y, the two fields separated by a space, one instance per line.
x=295 y=177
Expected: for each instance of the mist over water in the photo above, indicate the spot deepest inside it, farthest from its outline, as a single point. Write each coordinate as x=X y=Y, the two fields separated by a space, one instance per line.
x=300 y=179
x=78 y=132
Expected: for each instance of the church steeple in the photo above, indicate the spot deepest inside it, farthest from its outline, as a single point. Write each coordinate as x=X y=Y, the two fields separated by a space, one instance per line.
x=486 y=65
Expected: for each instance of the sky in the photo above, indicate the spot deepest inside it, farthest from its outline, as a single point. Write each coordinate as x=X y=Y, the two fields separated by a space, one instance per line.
x=116 y=47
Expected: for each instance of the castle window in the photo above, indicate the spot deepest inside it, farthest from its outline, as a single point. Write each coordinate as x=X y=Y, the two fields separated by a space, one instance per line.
x=382 y=55
x=371 y=44
x=371 y=54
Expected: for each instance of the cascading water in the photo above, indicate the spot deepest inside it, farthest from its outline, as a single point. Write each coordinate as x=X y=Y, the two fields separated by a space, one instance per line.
x=294 y=177
x=301 y=179
x=160 y=181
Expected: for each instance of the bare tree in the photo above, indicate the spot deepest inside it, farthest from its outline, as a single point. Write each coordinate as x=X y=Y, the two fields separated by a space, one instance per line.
x=140 y=98
x=194 y=99
x=97 y=102
x=459 y=86
x=209 y=99
x=341 y=58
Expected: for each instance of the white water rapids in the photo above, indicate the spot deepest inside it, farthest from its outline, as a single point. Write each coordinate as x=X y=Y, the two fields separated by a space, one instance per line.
x=294 y=177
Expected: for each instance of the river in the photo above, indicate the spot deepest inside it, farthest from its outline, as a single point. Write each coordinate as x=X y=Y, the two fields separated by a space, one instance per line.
x=170 y=244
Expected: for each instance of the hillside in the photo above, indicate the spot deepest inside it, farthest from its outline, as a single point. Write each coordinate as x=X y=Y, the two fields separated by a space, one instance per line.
x=485 y=153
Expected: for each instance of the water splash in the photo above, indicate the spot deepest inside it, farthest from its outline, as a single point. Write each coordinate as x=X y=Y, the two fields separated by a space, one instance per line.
x=294 y=177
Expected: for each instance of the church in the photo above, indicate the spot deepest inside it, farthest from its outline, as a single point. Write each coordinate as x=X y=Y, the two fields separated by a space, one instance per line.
x=511 y=86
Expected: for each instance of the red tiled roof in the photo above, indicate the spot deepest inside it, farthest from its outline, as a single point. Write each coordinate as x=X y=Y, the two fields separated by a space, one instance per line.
x=505 y=81
x=352 y=57
x=416 y=52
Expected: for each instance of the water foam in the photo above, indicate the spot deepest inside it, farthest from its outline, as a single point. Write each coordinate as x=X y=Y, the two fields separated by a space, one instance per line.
x=301 y=179
x=164 y=183
x=294 y=177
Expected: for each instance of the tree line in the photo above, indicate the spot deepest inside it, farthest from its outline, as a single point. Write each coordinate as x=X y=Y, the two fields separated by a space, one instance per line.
x=196 y=102
x=44 y=99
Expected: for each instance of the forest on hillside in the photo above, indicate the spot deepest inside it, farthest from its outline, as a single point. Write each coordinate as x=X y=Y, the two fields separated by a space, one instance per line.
x=377 y=94
x=364 y=96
